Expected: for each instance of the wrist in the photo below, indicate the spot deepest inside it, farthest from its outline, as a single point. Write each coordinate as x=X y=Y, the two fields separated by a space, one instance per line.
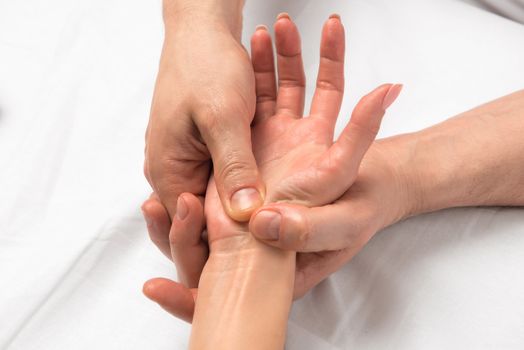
x=192 y=14
x=385 y=168
x=440 y=167
x=404 y=193
x=243 y=255
x=244 y=298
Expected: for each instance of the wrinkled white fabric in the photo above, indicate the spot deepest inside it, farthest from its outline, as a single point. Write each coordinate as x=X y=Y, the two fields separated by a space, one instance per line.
x=76 y=80
x=513 y=9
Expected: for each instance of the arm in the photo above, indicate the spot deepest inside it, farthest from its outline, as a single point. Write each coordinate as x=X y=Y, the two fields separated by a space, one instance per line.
x=244 y=299
x=246 y=287
x=473 y=159
x=202 y=109
x=476 y=158
x=227 y=14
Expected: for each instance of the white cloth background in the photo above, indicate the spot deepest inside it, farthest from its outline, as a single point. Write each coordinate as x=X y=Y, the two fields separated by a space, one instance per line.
x=513 y=9
x=76 y=79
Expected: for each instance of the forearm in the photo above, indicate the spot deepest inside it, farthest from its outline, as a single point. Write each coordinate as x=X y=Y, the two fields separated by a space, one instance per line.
x=475 y=158
x=244 y=299
x=224 y=13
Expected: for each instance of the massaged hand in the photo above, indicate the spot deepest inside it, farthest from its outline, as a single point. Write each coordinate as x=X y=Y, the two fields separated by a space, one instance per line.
x=202 y=108
x=299 y=163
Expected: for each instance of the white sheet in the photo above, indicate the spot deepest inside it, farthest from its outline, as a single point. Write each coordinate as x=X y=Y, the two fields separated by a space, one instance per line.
x=512 y=9
x=76 y=79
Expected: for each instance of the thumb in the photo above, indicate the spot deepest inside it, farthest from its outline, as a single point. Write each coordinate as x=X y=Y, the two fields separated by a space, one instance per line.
x=239 y=185
x=343 y=158
x=332 y=227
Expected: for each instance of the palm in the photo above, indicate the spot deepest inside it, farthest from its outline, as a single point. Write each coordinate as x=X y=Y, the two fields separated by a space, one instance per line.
x=286 y=150
x=296 y=156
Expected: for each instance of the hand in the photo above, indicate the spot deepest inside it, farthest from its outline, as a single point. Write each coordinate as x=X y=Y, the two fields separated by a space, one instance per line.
x=296 y=156
x=202 y=108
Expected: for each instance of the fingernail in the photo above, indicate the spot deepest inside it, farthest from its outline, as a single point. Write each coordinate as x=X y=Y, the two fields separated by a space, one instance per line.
x=181 y=208
x=245 y=199
x=335 y=15
x=261 y=27
x=283 y=15
x=266 y=225
x=391 y=95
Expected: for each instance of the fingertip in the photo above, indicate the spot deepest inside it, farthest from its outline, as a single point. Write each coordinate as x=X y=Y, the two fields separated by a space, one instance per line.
x=171 y=296
x=153 y=213
x=334 y=21
x=261 y=27
x=186 y=229
x=262 y=51
x=333 y=39
x=265 y=224
x=261 y=34
x=188 y=205
x=284 y=24
x=150 y=289
x=153 y=208
x=146 y=207
x=244 y=202
x=391 y=95
x=283 y=15
x=280 y=226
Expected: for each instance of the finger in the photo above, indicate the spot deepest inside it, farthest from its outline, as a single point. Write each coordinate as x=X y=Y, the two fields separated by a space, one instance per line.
x=158 y=224
x=265 y=80
x=331 y=227
x=330 y=80
x=291 y=77
x=188 y=250
x=173 y=297
x=342 y=160
x=177 y=161
x=313 y=268
x=235 y=170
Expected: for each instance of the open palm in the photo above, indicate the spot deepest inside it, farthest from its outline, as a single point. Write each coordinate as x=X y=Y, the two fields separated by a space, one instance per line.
x=297 y=157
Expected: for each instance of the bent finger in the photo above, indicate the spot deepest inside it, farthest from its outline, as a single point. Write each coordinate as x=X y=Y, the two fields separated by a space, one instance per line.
x=188 y=249
x=239 y=184
x=313 y=268
x=173 y=297
x=158 y=223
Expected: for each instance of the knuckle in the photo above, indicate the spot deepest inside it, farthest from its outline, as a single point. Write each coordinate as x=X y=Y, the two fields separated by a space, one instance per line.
x=175 y=239
x=217 y=110
x=234 y=170
x=367 y=129
x=159 y=241
x=306 y=233
x=292 y=82
x=331 y=84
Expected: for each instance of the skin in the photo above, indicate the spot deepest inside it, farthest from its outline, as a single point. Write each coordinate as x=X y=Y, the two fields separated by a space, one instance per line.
x=201 y=116
x=246 y=287
x=296 y=158
x=435 y=168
